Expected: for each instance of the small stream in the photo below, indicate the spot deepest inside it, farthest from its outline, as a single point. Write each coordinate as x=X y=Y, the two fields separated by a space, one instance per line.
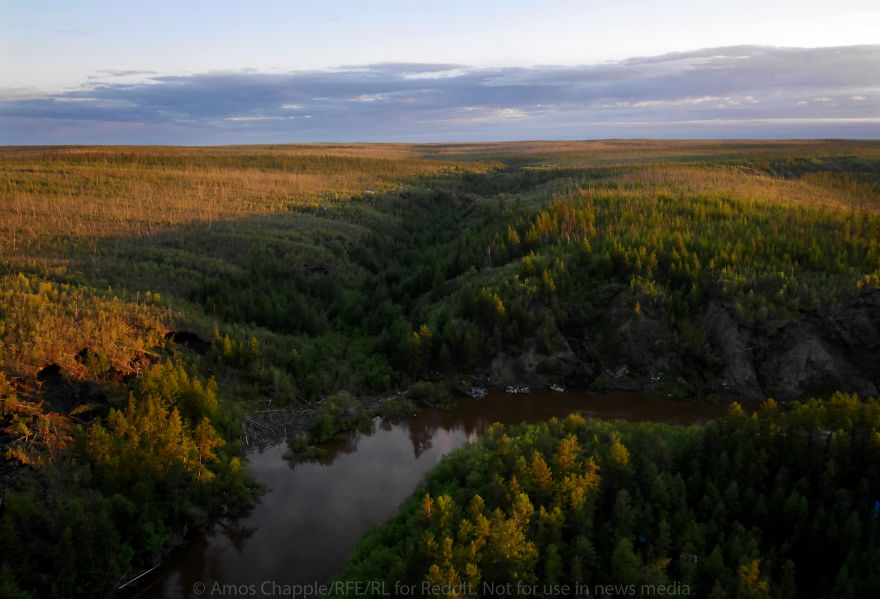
x=312 y=515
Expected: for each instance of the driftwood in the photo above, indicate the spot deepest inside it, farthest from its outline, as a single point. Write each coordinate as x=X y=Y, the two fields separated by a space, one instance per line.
x=138 y=577
x=268 y=426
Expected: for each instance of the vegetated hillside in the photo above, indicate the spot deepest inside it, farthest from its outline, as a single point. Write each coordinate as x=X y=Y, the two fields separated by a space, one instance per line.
x=689 y=268
x=782 y=504
x=117 y=438
x=285 y=274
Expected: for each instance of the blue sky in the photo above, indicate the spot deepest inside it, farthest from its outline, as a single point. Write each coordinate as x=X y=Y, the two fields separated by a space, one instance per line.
x=257 y=72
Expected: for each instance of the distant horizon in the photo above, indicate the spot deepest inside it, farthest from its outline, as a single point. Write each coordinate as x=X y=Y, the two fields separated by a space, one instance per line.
x=453 y=143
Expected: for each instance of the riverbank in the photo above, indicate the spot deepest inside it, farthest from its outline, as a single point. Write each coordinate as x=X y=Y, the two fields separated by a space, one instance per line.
x=313 y=513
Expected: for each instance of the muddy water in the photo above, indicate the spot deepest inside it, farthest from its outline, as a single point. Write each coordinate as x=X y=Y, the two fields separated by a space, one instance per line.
x=312 y=515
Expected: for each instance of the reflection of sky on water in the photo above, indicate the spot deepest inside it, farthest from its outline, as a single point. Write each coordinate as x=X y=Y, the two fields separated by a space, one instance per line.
x=312 y=515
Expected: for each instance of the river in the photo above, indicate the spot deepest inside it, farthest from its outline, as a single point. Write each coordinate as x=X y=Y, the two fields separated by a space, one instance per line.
x=311 y=515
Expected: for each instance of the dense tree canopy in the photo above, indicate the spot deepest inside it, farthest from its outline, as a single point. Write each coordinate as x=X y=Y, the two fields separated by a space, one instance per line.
x=782 y=503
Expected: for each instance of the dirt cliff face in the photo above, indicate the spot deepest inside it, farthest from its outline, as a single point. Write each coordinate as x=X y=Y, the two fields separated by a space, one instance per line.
x=853 y=329
x=801 y=361
x=735 y=347
x=834 y=348
x=531 y=366
x=837 y=347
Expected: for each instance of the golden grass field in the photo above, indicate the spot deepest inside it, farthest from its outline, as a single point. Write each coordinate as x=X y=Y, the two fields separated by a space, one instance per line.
x=66 y=193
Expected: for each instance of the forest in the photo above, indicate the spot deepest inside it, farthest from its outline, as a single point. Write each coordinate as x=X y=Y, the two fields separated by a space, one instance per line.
x=152 y=298
x=783 y=503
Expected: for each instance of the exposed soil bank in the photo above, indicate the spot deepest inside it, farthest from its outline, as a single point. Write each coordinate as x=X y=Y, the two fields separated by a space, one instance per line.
x=835 y=348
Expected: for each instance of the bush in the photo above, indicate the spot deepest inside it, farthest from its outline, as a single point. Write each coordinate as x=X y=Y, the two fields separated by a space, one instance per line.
x=338 y=413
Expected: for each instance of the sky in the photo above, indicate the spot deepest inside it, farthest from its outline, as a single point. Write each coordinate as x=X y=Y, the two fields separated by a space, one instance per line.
x=197 y=73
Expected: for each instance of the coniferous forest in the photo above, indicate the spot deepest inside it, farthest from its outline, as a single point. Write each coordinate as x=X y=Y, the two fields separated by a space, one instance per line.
x=779 y=504
x=152 y=300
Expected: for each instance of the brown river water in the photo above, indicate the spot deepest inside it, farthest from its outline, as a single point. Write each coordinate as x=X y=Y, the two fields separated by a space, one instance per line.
x=311 y=515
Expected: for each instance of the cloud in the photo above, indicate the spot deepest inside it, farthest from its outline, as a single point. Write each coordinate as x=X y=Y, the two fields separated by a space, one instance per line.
x=125 y=72
x=258 y=118
x=9 y=94
x=741 y=91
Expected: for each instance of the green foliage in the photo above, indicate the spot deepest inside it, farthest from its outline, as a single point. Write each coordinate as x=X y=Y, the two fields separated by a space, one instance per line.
x=239 y=354
x=774 y=505
x=425 y=391
x=110 y=500
x=164 y=432
x=339 y=412
x=398 y=406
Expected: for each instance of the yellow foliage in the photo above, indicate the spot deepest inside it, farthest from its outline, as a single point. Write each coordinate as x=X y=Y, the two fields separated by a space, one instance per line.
x=618 y=454
x=48 y=323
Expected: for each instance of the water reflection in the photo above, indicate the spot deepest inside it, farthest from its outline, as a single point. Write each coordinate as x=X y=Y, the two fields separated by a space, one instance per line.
x=312 y=515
